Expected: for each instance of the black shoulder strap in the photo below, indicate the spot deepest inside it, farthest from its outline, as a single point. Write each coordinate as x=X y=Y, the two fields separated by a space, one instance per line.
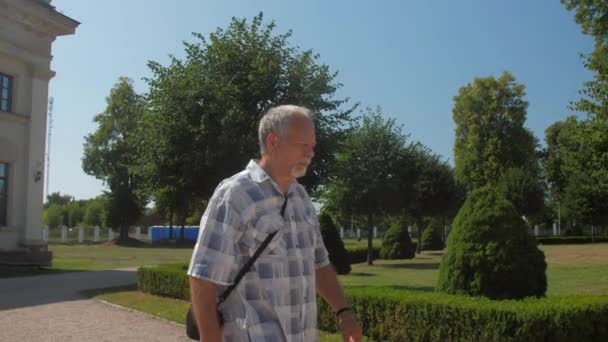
x=251 y=261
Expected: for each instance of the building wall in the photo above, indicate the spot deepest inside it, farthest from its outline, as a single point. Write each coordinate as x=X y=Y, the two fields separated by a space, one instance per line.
x=27 y=30
x=14 y=136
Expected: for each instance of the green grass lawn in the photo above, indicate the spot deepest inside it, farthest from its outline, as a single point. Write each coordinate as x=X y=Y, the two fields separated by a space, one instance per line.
x=103 y=257
x=572 y=268
x=74 y=257
x=349 y=243
x=96 y=257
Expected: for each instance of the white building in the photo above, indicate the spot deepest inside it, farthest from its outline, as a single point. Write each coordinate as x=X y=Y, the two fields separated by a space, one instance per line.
x=27 y=31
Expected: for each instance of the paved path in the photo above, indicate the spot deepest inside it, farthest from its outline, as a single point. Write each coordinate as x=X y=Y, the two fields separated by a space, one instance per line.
x=51 y=308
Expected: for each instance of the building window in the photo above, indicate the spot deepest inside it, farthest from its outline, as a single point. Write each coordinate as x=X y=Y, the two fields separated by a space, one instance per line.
x=3 y=193
x=6 y=84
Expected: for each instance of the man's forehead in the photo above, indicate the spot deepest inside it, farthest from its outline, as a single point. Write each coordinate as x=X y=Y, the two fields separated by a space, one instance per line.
x=302 y=130
x=301 y=120
x=301 y=124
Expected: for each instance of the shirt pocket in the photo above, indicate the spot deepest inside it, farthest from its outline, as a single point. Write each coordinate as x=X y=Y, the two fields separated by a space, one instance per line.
x=259 y=232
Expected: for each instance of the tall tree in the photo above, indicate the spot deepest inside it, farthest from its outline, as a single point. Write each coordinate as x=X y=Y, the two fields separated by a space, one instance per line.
x=557 y=141
x=203 y=110
x=489 y=114
x=592 y=16
x=95 y=212
x=58 y=198
x=490 y=135
x=574 y=167
x=76 y=213
x=53 y=215
x=429 y=189
x=366 y=177
x=110 y=154
x=584 y=144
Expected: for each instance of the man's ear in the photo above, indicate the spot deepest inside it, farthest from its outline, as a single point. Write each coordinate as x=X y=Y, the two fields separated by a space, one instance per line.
x=272 y=141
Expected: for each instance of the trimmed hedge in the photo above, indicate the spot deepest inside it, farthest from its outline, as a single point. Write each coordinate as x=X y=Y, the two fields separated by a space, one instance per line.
x=569 y=240
x=395 y=315
x=359 y=254
x=168 y=280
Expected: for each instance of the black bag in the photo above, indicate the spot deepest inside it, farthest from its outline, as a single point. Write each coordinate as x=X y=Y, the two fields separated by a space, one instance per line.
x=191 y=327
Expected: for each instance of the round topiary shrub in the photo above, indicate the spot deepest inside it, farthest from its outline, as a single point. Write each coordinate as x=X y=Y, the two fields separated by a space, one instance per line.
x=334 y=244
x=490 y=253
x=397 y=243
x=431 y=237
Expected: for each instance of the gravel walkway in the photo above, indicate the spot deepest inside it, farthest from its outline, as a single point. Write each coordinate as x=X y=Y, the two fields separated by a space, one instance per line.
x=51 y=308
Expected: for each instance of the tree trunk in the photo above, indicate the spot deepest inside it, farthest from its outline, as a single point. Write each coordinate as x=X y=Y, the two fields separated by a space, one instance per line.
x=370 y=237
x=182 y=232
x=124 y=233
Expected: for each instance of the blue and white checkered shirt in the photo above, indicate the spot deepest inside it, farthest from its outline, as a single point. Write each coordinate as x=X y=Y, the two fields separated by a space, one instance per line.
x=276 y=300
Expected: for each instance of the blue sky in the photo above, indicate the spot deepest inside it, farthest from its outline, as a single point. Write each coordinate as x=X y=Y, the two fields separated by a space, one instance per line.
x=409 y=57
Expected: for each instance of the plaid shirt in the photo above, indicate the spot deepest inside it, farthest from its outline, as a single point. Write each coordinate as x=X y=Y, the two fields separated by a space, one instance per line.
x=276 y=300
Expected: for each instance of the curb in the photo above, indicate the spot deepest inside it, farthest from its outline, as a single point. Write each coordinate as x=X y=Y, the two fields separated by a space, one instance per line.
x=140 y=312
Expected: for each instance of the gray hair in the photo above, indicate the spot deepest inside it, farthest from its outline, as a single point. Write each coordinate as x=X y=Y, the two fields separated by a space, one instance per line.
x=277 y=120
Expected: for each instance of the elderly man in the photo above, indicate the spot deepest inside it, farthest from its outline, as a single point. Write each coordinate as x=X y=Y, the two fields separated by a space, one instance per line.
x=276 y=300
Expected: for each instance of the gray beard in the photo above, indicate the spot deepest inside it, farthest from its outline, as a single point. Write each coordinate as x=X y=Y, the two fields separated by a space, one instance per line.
x=298 y=172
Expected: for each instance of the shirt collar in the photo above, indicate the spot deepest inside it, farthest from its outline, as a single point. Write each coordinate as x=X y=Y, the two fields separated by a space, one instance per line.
x=258 y=175
x=256 y=172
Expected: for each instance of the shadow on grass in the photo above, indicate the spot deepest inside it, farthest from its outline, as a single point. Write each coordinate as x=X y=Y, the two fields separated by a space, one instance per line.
x=413 y=266
x=361 y=274
x=399 y=287
x=28 y=271
x=96 y=292
x=131 y=242
x=413 y=288
x=20 y=292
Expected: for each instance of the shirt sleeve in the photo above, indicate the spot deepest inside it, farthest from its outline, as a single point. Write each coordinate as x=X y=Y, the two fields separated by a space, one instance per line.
x=214 y=256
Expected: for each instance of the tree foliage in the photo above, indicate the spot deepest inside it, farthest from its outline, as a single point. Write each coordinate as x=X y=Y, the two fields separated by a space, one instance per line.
x=110 y=154
x=490 y=253
x=203 y=111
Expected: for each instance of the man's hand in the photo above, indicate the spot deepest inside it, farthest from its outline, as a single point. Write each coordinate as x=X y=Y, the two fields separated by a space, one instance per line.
x=351 y=332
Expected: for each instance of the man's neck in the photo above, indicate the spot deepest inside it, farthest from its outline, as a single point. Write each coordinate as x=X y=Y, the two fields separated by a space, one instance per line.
x=278 y=176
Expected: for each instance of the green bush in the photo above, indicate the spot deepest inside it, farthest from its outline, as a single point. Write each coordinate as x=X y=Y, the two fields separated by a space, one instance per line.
x=431 y=237
x=570 y=240
x=165 y=280
x=358 y=255
x=334 y=244
x=490 y=252
x=397 y=243
x=396 y=315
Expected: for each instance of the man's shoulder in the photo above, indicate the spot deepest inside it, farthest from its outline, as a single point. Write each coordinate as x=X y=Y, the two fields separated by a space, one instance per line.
x=236 y=184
